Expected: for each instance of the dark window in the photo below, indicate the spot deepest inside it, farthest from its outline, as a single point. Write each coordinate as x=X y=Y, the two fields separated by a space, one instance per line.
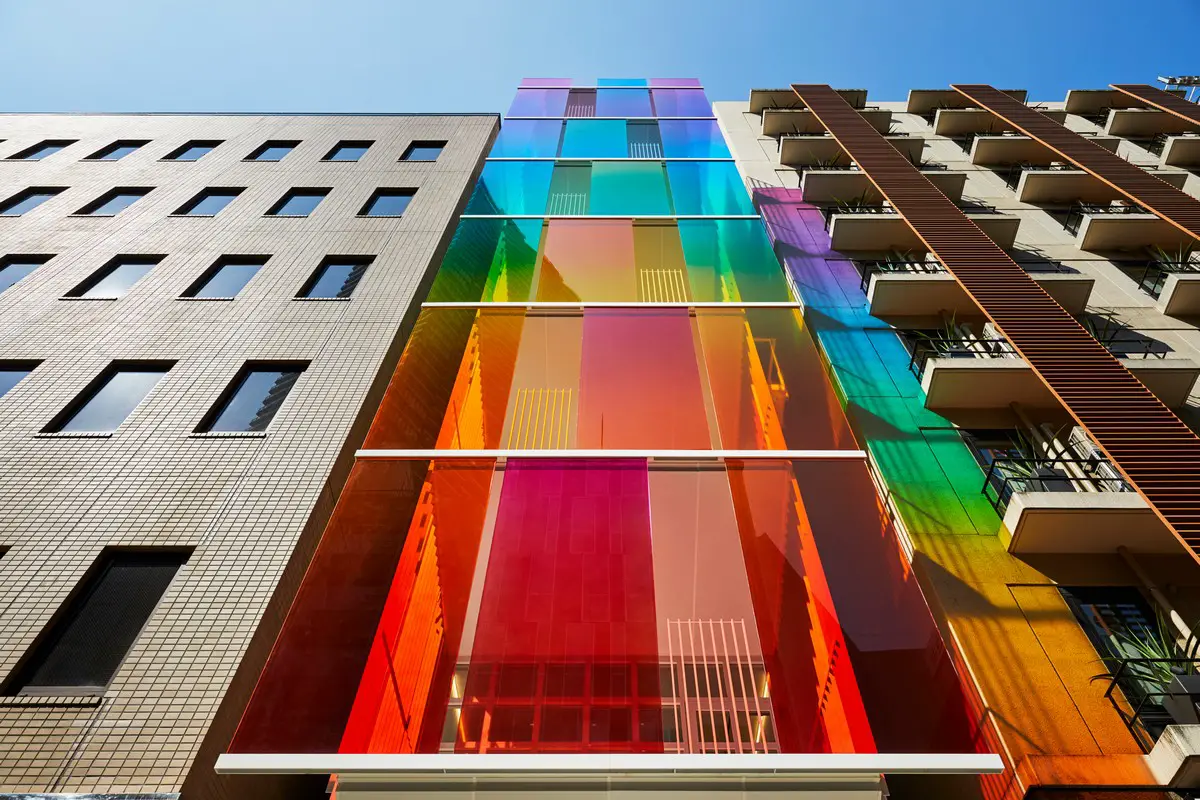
x=95 y=630
x=228 y=276
x=115 y=278
x=208 y=202
x=272 y=151
x=13 y=372
x=27 y=200
x=14 y=268
x=388 y=203
x=1114 y=618
x=254 y=397
x=336 y=277
x=114 y=201
x=110 y=398
x=348 y=151
x=42 y=149
x=423 y=151
x=117 y=150
x=194 y=150
x=298 y=203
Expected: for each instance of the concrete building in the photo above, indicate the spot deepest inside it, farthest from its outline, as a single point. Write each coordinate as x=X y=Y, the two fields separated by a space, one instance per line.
x=198 y=317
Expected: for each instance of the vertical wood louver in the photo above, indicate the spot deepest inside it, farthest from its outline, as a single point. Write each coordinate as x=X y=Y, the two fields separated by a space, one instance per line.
x=1163 y=101
x=1175 y=206
x=1153 y=449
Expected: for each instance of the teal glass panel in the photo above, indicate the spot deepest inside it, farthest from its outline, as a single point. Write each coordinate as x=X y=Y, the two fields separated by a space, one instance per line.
x=623 y=103
x=622 y=82
x=625 y=188
x=681 y=103
x=512 y=187
x=708 y=188
x=528 y=138
x=489 y=260
x=692 y=138
x=539 y=103
x=595 y=138
x=730 y=260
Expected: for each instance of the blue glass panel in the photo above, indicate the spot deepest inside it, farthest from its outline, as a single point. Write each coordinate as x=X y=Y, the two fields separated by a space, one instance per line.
x=681 y=103
x=622 y=82
x=595 y=138
x=108 y=407
x=210 y=202
x=13 y=271
x=512 y=187
x=298 y=204
x=528 y=138
x=25 y=201
x=708 y=187
x=114 y=204
x=10 y=376
x=227 y=281
x=692 y=138
x=117 y=281
x=623 y=103
x=254 y=403
x=389 y=203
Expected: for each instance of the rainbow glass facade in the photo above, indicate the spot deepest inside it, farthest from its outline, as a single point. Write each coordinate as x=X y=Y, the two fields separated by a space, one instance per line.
x=610 y=287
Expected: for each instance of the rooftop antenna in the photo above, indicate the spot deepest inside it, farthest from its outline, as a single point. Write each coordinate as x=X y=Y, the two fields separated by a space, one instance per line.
x=1190 y=82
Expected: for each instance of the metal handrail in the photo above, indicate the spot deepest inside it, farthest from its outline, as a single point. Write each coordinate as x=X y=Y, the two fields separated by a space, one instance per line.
x=1147 y=718
x=1074 y=217
x=950 y=347
x=1008 y=476
x=829 y=212
x=1012 y=177
x=867 y=268
x=829 y=167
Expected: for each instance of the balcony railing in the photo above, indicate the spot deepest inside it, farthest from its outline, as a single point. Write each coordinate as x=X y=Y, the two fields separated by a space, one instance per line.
x=1008 y=476
x=867 y=268
x=829 y=212
x=1012 y=177
x=1073 y=218
x=1151 y=276
x=1154 y=693
x=825 y=167
x=924 y=349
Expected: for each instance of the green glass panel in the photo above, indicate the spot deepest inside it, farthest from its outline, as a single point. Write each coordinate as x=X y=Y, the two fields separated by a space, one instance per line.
x=489 y=260
x=595 y=138
x=624 y=188
x=708 y=188
x=512 y=187
x=731 y=260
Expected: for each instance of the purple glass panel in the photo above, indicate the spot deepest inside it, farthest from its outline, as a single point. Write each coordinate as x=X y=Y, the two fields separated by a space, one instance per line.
x=539 y=103
x=681 y=103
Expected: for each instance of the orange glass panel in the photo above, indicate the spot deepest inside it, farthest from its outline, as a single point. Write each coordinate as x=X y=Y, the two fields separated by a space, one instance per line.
x=587 y=260
x=662 y=275
x=475 y=413
x=544 y=401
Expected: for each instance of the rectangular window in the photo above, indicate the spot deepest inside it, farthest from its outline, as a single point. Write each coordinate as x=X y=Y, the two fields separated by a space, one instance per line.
x=27 y=200
x=644 y=140
x=193 y=150
x=423 y=151
x=86 y=643
x=226 y=277
x=117 y=150
x=387 y=203
x=110 y=398
x=115 y=278
x=348 y=151
x=298 y=203
x=114 y=201
x=209 y=202
x=253 y=399
x=42 y=149
x=14 y=268
x=272 y=151
x=13 y=372
x=336 y=277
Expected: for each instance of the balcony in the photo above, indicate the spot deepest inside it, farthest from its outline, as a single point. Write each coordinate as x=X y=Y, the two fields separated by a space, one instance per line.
x=1004 y=149
x=1065 y=183
x=879 y=228
x=1111 y=228
x=763 y=99
x=1145 y=123
x=955 y=122
x=1174 y=284
x=926 y=102
x=786 y=121
x=909 y=288
x=1181 y=151
x=816 y=149
x=828 y=184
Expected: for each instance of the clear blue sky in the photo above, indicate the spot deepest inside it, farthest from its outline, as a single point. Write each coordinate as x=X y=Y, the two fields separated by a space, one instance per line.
x=467 y=55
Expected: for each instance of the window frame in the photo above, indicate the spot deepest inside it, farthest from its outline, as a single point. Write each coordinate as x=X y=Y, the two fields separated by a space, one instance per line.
x=213 y=269
x=175 y=154
x=294 y=192
x=227 y=395
x=78 y=291
x=7 y=260
x=103 y=152
x=21 y=196
x=24 y=155
x=387 y=191
x=417 y=144
x=16 y=365
x=185 y=210
x=315 y=276
x=256 y=153
x=365 y=144
x=90 y=209
x=93 y=387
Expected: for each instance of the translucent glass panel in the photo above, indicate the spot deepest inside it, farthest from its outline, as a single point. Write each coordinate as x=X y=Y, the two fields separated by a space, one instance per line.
x=528 y=138
x=629 y=188
x=708 y=188
x=692 y=138
x=539 y=103
x=623 y=103
x=681 y=103
x=595 y=138
x=617 y=260
x=512 y=187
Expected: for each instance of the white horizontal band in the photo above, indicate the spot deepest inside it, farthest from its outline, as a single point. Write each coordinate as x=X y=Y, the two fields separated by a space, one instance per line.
x=658 y=455
x=609 y=216
x=591 y=765
x=614 y=304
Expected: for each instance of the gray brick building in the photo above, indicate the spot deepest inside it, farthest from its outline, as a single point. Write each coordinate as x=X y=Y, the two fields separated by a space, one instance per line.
x=234 y=493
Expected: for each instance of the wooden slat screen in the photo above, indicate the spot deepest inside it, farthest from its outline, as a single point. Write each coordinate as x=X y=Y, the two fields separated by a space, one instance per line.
x=1157 y=453
x=1163 y=101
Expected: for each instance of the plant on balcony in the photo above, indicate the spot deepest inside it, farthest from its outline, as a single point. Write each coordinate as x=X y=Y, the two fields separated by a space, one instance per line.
x=859 y=203
x=1151 y=667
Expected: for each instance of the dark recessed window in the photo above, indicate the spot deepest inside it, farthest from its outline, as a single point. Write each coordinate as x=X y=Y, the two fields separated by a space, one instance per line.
x=13 y=372
x=298 y=203
x=113 y=202
x=27 y=200
x=254 y=397
x=117 y=150
x=388 y=203
x=14 y=268
x=194 y=150
x=110 y=398
x=42 y=149
x=225 y=278
x=85 y=644
x=336 y=277
x=208 y=202
x=348 y=151
x=423 y=151
x=115 y=278
x=272 y=151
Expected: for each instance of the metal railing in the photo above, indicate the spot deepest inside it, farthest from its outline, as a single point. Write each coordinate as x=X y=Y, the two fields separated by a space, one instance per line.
x=923 y=349
x=1151 y=276
x=1075 y=216
x=829 y=212
x=867 y=268
x=1008 y=476
x=827 y=167
x=1149 y=698
x=1012 y=178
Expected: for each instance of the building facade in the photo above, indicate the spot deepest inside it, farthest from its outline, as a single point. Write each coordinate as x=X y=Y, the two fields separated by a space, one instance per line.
x=1002 y=294
x=198 y=316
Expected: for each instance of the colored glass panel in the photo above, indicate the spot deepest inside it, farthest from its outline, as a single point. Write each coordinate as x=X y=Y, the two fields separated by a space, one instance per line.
x=622 y=82
x=623 y=103
x=512 y=187
x=491 y=260
x=595 y=138
x=539 y=103
x=675 y=82
x=629 y=188
x=590 y=259
x=528 y=138
x=707 y=188
x=692 y=138
x=731 y=260
x=681 y=103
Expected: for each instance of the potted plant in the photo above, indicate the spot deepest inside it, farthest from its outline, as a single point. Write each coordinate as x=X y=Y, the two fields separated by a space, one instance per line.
x=1158 y=670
